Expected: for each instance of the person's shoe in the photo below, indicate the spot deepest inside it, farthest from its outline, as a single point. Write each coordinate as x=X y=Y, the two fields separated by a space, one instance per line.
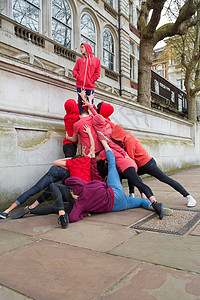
x=191 y=201
x=168 y=211
x=159 y=209
x=3 y=215
x=63 y=221
x=132 y=195
x=20 y=213
x=102 y=137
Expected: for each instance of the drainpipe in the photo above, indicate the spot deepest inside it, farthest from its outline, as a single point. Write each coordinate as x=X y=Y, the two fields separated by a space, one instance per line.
x=119 y=35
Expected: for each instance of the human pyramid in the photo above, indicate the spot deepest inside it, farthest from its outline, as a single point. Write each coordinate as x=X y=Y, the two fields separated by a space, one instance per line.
x=91 y=181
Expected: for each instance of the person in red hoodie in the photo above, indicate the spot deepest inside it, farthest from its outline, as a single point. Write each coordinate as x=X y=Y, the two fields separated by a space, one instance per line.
x=71 y=117
x=146 y=164
x=86 y=71
x=105 y=109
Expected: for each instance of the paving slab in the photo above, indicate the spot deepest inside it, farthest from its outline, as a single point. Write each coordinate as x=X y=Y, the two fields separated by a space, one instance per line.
x=91 y=235
x=48 y=270
x=10 y=241
x=31 y=224
x=196 y=231
x=150 y=282
x=126 y=217
x=180 y=252
x=8 y=294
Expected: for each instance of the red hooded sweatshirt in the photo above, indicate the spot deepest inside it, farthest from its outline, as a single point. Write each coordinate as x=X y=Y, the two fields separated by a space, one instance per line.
x=87 y=70
x=72 y=116
x=106 y=110
x=132 y=145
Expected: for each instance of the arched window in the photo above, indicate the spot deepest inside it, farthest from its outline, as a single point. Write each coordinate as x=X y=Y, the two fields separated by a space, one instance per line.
x=27 y=13
x=61 y=22
x=108 y=49
x=88 y=34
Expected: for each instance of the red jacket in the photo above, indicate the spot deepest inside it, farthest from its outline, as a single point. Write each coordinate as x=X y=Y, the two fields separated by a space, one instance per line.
x=132 y=145
x=87 y=70
x=72 y=116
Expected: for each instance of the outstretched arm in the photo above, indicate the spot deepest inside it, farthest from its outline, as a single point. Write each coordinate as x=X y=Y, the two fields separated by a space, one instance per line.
x=61 y=162
x=92 y=143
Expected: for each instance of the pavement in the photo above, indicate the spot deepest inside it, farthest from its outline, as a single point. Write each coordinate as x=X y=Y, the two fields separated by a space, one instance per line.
x=102 y=257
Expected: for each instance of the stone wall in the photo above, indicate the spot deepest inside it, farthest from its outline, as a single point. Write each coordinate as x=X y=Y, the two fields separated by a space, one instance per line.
x=32 y=128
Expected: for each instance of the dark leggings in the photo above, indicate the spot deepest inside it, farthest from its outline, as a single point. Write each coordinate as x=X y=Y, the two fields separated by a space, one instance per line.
x=135 y=180
x=152 y=169
x=61 y=193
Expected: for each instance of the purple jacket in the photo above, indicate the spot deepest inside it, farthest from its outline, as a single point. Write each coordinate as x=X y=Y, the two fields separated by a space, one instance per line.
x=94 y=196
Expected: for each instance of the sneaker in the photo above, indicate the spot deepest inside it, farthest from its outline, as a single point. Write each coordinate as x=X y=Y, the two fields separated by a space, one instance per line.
x=20 y=213
x=63 y=221
x=168 y=211
x=3 y=215
x=191 y=201
x=132 y=195
x=159 y=209
x=102 y=137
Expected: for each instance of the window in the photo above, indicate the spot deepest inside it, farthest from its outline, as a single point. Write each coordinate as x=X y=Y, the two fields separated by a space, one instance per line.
x=180 y=84
x=61 y=22
x=159 y=69
x=108 y=49
x=88 y=34
x=131 y=12
x=27 y=13
x=132 y=68
x=110 y=2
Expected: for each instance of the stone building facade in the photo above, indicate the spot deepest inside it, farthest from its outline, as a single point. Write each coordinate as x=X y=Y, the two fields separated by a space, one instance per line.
x=39 y=45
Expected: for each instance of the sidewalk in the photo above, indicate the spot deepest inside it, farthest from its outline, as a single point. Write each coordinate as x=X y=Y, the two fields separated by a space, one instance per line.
x=101 y=257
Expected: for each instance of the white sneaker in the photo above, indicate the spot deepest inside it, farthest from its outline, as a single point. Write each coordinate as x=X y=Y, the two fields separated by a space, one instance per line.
x=191 y=201
x=132 y=195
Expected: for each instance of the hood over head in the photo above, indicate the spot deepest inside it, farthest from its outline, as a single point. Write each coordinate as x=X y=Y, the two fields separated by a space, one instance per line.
x=118 y=133
x=71 y=107
x=75 y=184
x=105 y=109
x=88 y=49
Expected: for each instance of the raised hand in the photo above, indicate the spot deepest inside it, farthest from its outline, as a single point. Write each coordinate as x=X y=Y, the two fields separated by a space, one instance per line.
x=82 y=94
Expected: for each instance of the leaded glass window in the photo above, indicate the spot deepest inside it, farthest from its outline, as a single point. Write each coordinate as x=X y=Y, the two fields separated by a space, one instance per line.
x=61 y=22
x=88 y=34
x=108 y=49
x=27 y=13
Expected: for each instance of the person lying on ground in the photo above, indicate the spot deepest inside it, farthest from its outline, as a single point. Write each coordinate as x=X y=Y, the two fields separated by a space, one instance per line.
x=54 y=174
x=77 y=166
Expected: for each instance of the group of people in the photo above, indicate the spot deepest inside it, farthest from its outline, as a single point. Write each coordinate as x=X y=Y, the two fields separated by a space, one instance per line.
x=91 y=180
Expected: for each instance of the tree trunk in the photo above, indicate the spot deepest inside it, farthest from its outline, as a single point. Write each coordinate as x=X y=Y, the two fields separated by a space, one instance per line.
x=192 y=110
x=144 y=71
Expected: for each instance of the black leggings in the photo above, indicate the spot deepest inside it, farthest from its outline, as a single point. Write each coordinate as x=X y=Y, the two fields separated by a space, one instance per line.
x=61 y=193
x=135 y=180
x=152 y=169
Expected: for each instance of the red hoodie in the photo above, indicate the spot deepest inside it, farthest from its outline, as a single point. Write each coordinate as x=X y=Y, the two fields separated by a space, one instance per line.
x=87 y=70
x=132 y=145
x=105 y=110
x=72 y=116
